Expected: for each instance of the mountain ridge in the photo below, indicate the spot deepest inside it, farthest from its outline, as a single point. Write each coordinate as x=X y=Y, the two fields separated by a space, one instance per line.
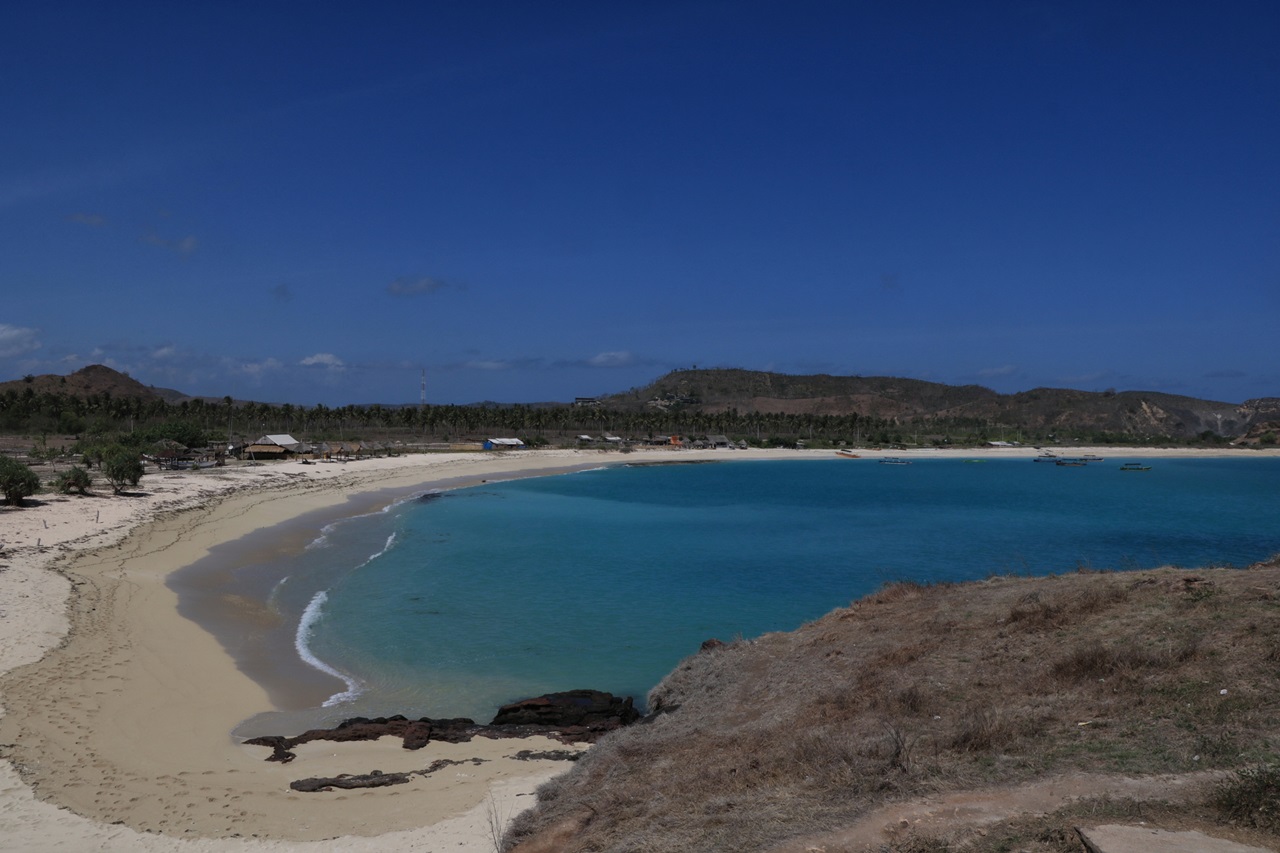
x=899 y=400
x=916 y=400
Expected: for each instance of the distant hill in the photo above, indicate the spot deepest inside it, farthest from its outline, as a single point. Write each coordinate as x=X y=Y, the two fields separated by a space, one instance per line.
x=889 y=399
x=97 y=379
x=88 y=381
x=904 y=400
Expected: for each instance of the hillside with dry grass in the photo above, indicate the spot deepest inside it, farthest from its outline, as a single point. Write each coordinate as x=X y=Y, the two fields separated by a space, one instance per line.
x=96 y=379
x=1167 y=679
x=1133 y=413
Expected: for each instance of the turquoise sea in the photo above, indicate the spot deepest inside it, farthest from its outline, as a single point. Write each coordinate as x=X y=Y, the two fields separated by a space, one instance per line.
x=452 y=604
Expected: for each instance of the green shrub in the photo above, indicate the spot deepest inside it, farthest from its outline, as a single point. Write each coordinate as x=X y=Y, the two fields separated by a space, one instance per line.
x=17 y=481
x=75 y=480
x=121 y=467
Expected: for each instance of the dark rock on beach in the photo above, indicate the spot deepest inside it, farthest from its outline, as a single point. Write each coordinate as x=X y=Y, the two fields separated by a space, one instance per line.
x=575 y=716
x=373 y=779
x=414 y=733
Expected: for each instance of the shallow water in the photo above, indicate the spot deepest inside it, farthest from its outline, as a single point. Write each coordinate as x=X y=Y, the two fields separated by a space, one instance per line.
x=452 y=604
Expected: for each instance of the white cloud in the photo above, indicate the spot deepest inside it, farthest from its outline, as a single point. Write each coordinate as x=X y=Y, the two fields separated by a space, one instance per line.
x=486 y=365
x=167 y=351
x=16 y=340
x=257 y=368
x=323 y=359
x=183 y=246
x=612 y=359
x=1005 y=370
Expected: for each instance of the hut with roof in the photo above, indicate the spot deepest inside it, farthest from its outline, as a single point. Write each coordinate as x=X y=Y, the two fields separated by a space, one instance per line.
x=280 y=446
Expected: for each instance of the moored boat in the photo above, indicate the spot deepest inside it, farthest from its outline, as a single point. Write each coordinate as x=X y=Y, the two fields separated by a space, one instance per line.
x=1134 y=466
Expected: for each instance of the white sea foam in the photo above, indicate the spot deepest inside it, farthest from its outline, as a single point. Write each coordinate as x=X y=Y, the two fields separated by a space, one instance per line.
x=386 y=546
x=322 y=541
x=302 y=642
x=275 y=592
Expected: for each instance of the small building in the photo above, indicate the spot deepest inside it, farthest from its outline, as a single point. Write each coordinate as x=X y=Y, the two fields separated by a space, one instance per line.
x=503 y=444
x=279 y=446
x=343 y=450
x=719 y=441
x=258 y=451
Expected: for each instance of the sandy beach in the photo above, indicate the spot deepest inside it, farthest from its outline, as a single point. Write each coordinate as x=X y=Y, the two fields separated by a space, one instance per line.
x=118 y=710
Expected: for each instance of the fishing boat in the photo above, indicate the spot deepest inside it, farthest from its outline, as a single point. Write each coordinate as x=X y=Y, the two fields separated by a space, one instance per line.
x=893 y=460
x=1089 y=457
x=847 y=454
x=1071 y=463
x=1134 y=466
x=1045 y=457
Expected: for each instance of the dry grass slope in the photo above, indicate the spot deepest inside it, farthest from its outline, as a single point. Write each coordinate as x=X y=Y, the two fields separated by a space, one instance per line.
x=924 y=690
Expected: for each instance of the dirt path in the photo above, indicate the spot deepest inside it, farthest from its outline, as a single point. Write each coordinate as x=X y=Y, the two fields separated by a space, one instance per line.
x=964 y=810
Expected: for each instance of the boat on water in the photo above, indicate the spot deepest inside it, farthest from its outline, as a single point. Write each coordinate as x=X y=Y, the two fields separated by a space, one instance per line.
x=893 y=460
x=1089 y=457
x=1071 y=463
x=974 y=461
x=1045 y=457
x=847 y=454
x=1134 y=466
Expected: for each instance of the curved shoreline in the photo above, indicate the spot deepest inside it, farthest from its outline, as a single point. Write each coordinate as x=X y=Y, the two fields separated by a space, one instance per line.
x=128 y=718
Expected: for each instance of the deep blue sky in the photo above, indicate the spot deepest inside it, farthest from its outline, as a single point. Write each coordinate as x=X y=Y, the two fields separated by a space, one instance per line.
x=311 y=202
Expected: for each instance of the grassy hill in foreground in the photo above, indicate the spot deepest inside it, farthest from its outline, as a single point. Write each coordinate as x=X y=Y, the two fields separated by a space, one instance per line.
x=785 y=741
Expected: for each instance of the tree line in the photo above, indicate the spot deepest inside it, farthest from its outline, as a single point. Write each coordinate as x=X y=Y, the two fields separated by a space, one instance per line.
x=133 y=421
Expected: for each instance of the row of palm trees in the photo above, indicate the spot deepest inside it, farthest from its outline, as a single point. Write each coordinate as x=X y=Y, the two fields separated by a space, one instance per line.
x=33 y=413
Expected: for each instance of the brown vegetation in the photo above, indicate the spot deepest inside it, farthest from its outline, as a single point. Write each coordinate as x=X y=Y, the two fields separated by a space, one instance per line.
x=94 y=379
x=1140 y=413
x=924 y=690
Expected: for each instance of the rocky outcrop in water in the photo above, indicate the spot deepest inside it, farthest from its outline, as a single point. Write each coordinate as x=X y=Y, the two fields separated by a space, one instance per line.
x=573 y=709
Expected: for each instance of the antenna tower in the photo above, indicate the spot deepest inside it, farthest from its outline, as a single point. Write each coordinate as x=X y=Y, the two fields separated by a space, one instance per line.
x=423 y=403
